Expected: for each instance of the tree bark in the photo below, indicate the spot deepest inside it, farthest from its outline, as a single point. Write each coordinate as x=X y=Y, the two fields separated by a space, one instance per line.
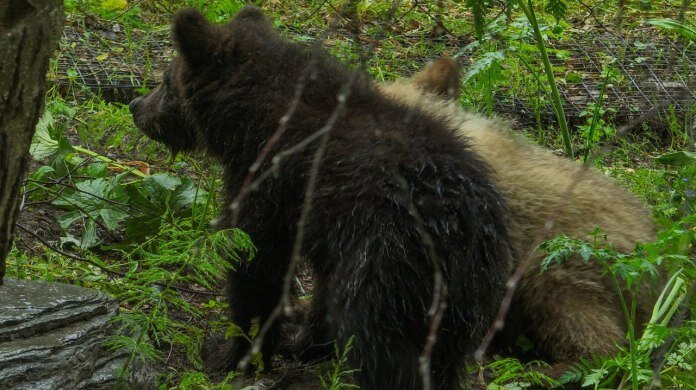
x=29 y=32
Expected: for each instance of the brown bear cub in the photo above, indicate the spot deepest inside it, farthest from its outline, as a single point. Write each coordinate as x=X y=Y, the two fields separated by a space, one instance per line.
x=573 y=310
x=397 y=193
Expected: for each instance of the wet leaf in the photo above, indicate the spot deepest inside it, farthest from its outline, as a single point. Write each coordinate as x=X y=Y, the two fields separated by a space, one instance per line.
x=114 y=5
x=678 y=159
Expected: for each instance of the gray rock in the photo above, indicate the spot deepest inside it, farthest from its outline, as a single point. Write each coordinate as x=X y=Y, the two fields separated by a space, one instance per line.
x=52 y=336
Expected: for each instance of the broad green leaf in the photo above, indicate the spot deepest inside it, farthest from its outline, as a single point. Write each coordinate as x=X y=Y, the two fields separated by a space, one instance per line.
x=50 y=144
x=678 y=159
x=42 y=173
x=165 y=180
x=156 y=196
x=89 y=237
x=187 y=194
x=69 y=239
x=114 y=5
x=42 y=145
x=685 y=30
x=112 y=217
x=96 y=199
x=97 y=169
x=67 y=219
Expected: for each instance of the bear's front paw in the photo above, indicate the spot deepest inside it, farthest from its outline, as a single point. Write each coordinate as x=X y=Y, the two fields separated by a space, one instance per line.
x=305 y=342
x=294 y=339
x=220 y=354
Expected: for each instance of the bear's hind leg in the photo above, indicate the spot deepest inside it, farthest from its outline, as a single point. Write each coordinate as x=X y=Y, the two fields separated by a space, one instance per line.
x=573 y=313
x=388 y=322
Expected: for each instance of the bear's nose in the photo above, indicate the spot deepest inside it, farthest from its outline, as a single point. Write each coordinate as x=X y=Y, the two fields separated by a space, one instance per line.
x=134 y=103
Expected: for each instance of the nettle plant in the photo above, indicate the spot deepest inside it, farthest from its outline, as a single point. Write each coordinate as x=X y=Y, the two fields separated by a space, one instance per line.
x=662 y=341
x=510 y=66
x=512 y=60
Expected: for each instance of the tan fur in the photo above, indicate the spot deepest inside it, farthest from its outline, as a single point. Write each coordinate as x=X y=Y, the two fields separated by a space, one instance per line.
x=570 y=311
x=440 y=77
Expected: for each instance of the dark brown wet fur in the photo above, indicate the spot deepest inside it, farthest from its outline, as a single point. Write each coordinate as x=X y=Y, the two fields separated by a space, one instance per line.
x=373 y=272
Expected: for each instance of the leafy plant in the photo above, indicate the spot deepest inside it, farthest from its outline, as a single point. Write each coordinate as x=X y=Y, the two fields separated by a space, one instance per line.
x=683 y=191
x=528 y=9
x=181 y=255
x=682 y=158
x=684 y=29
x=50 y=144
x=91 y=202
x=511 y=374
x=632 y=365
x=334 y=380
x=156 y=197
x=486 y=72
x=103 y=201
x=557 y=8
x=596 y=128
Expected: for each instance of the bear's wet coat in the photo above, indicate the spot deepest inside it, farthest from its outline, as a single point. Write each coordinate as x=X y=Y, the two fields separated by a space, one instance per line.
x=383 y=164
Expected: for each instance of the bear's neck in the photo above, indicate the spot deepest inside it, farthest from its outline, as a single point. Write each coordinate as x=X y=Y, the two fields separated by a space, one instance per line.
x=244 y=112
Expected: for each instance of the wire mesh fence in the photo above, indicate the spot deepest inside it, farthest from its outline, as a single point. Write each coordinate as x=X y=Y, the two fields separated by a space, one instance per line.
x=653 y=77
x=110 y=63
x=656 y=76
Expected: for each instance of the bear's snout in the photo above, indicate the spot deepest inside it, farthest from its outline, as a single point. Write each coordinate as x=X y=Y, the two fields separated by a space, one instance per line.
x=134 y=103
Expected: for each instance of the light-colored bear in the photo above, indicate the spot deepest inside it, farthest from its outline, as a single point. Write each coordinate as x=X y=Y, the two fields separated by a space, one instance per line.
x=568 y=311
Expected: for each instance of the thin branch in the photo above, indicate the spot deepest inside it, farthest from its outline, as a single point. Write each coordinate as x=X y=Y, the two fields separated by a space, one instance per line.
x=439 y=298
x=315 y=10
x=249 y=182
x=283 y=306
x=436 y=18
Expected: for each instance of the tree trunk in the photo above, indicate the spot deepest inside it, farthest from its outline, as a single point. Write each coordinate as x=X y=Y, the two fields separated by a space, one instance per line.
x=29 y=32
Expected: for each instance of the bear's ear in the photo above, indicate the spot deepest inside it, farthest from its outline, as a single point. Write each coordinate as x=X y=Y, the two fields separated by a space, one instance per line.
x=195 y=38
x=250 y=12
x=441 y=77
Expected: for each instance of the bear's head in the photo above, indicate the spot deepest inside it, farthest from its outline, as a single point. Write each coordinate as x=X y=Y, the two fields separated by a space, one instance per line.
x=207 y=55
x=160 y=115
